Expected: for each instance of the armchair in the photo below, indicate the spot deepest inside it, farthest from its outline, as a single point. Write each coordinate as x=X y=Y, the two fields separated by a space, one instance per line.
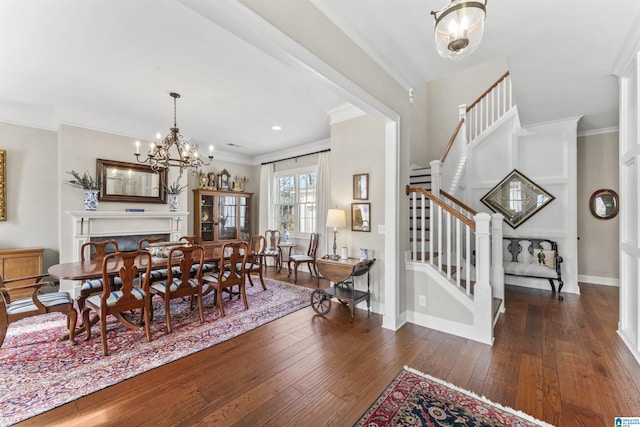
x=12 y=310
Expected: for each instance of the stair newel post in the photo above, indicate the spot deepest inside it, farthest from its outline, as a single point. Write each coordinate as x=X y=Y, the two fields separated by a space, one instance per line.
x=482 y=293
x=497 y=269
x=436 y=177
x=462 y=115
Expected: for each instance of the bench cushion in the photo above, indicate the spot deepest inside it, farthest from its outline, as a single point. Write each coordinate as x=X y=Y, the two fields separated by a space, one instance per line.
x=533 y=270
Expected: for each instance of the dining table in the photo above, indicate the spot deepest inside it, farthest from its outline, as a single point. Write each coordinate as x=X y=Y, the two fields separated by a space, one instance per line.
x=88 y=270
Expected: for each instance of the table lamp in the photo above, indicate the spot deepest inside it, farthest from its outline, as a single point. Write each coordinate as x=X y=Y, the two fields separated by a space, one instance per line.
x=336 y=218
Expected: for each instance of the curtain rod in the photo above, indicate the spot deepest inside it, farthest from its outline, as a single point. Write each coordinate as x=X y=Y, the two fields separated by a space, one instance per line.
x=295 y=157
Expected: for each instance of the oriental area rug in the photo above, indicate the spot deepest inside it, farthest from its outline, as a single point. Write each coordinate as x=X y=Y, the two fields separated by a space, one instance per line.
x=39 y=373
x=417 y=399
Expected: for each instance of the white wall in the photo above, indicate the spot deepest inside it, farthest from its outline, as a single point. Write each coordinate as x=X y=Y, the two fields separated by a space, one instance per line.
x=357 y=146
x=598 y=254
x=545 y=154
x=32 y=190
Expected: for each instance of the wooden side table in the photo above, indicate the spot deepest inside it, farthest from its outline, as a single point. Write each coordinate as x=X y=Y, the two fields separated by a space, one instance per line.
x=281 y=260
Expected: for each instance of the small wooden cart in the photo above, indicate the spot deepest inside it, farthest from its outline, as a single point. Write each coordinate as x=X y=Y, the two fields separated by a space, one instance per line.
x=342 y=274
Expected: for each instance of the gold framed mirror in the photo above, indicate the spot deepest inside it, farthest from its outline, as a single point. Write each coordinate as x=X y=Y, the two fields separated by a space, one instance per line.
x=604 y=204
x=130 y=182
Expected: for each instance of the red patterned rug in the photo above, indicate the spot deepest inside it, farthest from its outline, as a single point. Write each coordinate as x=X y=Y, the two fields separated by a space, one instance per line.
x=417 y=399
x=39 y=373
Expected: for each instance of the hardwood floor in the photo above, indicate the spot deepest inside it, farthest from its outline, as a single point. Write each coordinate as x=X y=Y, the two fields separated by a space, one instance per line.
x=559 y=361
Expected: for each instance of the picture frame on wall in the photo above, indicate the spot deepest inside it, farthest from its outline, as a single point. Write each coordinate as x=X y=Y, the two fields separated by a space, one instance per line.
x=517 y=198
x=361 y=216
x=361 y=186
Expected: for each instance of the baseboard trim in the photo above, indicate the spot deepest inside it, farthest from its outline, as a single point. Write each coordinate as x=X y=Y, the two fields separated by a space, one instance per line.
x=597 y=280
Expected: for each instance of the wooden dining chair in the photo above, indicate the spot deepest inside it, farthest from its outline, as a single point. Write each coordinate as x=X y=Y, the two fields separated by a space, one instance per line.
x=196 y=240
x=271 y=250
x=255 y=258
x=181 y=282
x=309 y=258
x=231 y=272
x=94 y=251
x=14 y=309
x=129 y=296
x=157 y=274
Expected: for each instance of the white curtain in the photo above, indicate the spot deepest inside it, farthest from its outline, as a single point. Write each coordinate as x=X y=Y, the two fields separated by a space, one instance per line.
x=266 y=221
x=324 y=200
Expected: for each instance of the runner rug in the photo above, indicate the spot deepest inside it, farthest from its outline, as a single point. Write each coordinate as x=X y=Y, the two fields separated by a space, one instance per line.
x=39 y=373
x=417 y=399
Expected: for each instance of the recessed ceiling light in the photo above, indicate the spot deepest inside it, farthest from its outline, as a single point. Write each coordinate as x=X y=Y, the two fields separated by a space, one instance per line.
x=276 y=127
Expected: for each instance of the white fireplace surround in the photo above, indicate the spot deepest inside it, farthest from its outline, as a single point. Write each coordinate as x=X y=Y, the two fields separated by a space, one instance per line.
x=88 y=224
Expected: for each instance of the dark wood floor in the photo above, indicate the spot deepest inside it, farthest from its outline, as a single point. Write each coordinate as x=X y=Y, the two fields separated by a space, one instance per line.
x=559 y=361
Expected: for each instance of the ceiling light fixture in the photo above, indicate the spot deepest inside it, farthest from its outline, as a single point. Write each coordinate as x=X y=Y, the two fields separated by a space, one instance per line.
x=188 y=157
x=276 y=127
x=459 y=28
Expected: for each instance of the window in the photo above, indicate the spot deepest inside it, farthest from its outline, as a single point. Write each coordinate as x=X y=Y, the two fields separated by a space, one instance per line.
x=295 y=207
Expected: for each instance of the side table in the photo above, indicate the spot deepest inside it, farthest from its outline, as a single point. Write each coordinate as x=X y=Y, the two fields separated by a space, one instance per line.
x=281 y=245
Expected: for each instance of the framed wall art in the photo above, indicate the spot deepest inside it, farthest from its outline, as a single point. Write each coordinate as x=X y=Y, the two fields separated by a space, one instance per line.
x=360 y=216
x=361 y=186
x=3 y=185
x=130 y=182
x=517 y=198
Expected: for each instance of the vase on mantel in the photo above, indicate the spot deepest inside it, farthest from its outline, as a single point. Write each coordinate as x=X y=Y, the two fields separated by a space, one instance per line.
x=173 y=202
x=91 y=200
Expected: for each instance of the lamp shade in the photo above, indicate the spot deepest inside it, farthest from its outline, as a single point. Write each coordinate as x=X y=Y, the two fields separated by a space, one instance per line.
x=336 y=218
x=459 y=28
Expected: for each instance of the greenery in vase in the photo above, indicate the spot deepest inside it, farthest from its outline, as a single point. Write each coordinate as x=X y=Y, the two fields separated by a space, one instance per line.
x=86 y=181
x=175 y=188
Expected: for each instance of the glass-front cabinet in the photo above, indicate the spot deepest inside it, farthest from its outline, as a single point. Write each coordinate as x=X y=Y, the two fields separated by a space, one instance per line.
x=221 y=216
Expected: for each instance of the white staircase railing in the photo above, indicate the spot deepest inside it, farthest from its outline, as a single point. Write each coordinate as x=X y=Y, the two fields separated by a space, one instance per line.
x=494 y=103
x=475 y=119
x=452 y=242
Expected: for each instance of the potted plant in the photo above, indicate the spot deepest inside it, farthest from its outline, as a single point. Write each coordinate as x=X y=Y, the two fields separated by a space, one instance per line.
x=173 y=190
x=90 y=186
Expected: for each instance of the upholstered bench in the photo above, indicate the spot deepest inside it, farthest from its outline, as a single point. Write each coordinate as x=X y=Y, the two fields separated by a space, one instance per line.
x=539 y=260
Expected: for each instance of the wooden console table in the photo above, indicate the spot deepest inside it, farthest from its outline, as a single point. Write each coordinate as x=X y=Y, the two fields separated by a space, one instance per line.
x=342 y=273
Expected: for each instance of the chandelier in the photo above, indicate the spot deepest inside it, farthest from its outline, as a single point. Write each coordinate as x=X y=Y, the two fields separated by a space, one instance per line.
x=459 y=28
x=188 y=156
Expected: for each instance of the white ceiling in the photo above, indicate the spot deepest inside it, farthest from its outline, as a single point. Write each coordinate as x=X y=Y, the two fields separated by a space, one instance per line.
x=110 y=65
x=560 y=53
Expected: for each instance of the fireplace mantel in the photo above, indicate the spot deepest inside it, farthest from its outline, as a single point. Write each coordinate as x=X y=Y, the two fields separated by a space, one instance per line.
x=88 y=224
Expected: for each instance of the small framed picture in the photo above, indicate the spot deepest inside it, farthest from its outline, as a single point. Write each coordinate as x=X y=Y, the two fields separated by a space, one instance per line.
x=360 y=217
x=361 y=186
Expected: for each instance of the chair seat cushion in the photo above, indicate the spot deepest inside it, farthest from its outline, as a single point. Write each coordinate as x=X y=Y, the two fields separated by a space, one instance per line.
x=161 y=273
x=115 y=296
x=96 y=284
x=175 y=284
x=301 y=258
x=25 y=305
x=271 y=252
x=214 y=277
x=526 y=269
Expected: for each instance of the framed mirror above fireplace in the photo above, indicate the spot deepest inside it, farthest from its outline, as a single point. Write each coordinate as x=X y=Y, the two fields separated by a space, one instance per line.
x=130 y=182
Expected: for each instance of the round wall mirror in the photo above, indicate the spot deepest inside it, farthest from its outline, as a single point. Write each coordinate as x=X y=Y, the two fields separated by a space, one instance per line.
x=604 y=204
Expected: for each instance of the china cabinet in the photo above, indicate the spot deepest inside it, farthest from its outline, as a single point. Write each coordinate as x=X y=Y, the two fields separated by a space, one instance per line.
x=221 y=216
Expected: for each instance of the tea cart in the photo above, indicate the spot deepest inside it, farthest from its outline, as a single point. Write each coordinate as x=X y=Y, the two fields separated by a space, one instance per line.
x=342 y=273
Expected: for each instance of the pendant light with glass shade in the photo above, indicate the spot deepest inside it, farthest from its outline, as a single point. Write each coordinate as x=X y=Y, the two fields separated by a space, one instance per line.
x=459 y=28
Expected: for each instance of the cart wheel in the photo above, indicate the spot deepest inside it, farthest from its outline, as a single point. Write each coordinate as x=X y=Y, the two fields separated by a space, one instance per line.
x=320 y=301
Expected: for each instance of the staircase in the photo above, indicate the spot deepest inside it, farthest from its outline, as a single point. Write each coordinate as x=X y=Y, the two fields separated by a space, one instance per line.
x=455 y=254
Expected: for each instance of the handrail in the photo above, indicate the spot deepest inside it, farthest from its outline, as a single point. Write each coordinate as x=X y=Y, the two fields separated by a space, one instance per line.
x=453 y=137
x=458 y=202
x=443 y=205
x=486 y=92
